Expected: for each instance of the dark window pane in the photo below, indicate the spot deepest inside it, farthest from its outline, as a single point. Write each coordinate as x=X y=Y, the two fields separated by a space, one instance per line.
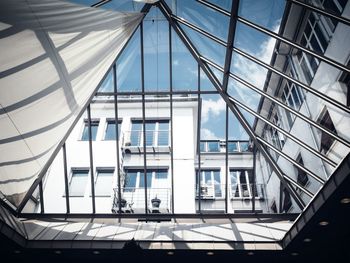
x=94 y=127
x=213 y=147
x=232 y=147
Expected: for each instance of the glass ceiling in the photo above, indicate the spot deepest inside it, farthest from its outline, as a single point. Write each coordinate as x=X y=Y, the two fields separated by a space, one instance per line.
x=255 y=75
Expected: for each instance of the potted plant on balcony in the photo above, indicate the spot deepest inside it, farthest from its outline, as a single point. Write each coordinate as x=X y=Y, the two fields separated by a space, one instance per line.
x=156 y=202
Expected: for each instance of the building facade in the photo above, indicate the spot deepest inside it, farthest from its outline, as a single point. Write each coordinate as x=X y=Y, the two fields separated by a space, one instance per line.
x=326 y=37
x=177 y=177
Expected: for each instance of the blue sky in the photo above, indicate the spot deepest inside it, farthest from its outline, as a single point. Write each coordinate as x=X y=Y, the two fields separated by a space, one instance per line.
x=267 y=13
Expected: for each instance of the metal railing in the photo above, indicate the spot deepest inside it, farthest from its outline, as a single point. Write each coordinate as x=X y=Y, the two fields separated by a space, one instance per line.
x=155 y=138
x=215 y=146
x=236 y=191
x=133 y=200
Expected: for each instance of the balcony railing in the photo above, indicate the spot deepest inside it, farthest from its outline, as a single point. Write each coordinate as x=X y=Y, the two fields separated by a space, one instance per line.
x=217 y=146
x=134 y=141
x=236 y=191
x=133 y=200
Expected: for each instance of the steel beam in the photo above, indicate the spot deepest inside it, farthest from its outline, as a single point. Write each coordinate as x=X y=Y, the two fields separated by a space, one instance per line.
x=167 y=13
x=199 y=113
x=66 y=184
x=143 y=118
x=100 y=3
x=41 y=194
x=214 y=7
x=226 y=159
x=92 y=171
x=254 y=178
x=116 y=119
x=230 y=40
x=171 y=120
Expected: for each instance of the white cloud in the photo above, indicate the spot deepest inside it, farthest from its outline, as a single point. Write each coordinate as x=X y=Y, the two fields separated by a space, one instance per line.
x=251 y=71
x=176 y=62
x=208 y=135
x=212 y=108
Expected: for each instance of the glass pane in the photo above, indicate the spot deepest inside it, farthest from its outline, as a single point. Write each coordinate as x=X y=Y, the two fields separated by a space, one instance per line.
x=201 y=16
x=232 y=147
x=110 y=130
x=77 y=185
x=103 y=183
x=130 y=180
x=184 y=66
x=129 y=66
x=213 y=147
x=142 y=179
x=206 y=47
x=108 y=84
x=266 y=13
x=156 y=51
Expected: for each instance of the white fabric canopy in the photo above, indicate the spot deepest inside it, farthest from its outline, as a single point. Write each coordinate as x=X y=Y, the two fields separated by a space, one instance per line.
x=53 y=54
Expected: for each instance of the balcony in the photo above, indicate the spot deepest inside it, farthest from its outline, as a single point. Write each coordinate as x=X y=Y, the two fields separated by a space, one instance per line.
x=156 y=141
x=133 y=200
x=235 y=191
x=219 y=146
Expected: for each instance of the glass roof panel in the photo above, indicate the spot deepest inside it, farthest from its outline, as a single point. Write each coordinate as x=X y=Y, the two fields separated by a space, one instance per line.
x=130 y=61
x=184 y=66
x=156 y=51
x=266 y=13
x=206 y=47
x=225 y=4
x=201 y=16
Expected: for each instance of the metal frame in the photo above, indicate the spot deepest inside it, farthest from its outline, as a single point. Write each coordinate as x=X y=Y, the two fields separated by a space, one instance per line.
x=171 y=120
x=116 y=119
x=143 y=118
x=230 y=39
x=92 y=171
x=66 y=183
x=232 y=103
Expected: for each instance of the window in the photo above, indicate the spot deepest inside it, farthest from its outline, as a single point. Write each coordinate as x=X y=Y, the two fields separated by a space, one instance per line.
x=157 y=133
x=210 y=146
x=287 y=201
x=326 y=140
x=241 y=183
x=316 y=36
x=110 y=130
x=103 y=182
x=134 y=178
x=345 y=78
x=232 y=147
x=78 y=182
x=244 y=146
x=94 y=127
x=277 y=137
x=210 y=183
x=302 y=177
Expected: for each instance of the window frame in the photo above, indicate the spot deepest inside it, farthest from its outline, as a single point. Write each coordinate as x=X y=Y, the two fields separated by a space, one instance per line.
x=110 y=169
x=156 y=131
x=108 y=121
x=94 y=123
x=71 y=175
